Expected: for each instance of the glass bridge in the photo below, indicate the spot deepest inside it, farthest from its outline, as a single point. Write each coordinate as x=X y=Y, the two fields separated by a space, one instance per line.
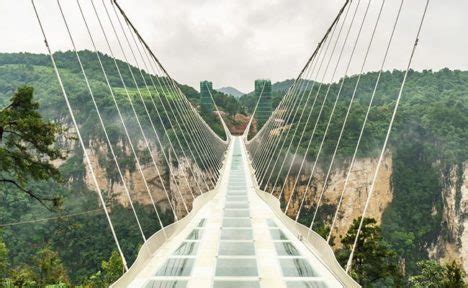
x=234 y=241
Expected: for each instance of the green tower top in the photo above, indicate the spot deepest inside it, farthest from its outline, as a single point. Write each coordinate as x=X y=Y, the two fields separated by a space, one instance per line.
x=206 y=105
x=265 y=107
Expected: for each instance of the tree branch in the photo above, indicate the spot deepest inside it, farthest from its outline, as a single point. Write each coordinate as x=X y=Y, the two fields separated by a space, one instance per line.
x=31 y=194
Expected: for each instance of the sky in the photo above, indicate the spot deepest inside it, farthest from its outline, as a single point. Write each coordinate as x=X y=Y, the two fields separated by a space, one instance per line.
x=234 y=42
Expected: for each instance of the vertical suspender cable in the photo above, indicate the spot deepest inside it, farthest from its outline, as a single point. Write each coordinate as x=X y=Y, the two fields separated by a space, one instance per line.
x=310 y=92
x=226 y=130
x=147 y=112
x=117 y=106
x=335 y=44
x=333 y=110
x=80 y=138
x=320 y=113
x=335 y=21
x=387 y=136
x=348 y=111
x=290 y=119
x=155 y=107
x=361 y=133
x=158 y=65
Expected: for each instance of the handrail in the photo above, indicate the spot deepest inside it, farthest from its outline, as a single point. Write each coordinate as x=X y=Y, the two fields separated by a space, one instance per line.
x=156 y=241
x=313 y=241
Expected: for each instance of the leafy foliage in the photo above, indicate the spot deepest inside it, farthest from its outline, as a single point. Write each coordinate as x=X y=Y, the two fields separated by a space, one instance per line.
x=27 y=144
x=46 y=269
x=434 y=275
x=374 y=263
x=428 y=141
x=110 y=271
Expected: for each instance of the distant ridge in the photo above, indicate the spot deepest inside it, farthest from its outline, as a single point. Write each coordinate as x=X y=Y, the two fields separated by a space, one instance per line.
x=231 y=91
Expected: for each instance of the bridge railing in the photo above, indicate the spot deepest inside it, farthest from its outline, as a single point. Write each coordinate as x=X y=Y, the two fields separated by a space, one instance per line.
x=313 y=241
x=157 y=240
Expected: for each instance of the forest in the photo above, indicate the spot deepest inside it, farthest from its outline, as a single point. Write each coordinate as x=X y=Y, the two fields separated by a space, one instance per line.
x=428 y=143
x=428 y=147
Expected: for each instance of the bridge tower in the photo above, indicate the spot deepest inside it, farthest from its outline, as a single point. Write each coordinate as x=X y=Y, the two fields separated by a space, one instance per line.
x=264 y=109
x=206 y=104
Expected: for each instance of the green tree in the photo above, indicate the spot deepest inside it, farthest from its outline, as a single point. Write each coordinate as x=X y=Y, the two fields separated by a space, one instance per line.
x=49 y=268
x=111 y=270
x=27 y=144
x=22 y=277
x=3 y=259
x=374 y=263
x=431 y=276
x=454 y=276
x=434 y=275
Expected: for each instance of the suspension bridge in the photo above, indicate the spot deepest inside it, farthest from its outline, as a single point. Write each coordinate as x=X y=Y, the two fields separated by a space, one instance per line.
x=236 y=218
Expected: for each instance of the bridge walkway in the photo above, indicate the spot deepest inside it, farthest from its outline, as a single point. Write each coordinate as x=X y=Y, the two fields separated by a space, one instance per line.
x=235 y=241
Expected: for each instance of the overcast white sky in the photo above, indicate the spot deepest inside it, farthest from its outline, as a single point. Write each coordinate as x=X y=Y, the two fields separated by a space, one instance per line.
x=234 y=42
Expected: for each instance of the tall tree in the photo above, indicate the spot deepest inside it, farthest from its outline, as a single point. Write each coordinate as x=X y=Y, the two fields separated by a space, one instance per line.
x=110 y=271
x=49 y=268
x=434 y=275
x=27 y=145
x=3 y=259
x=374 y=263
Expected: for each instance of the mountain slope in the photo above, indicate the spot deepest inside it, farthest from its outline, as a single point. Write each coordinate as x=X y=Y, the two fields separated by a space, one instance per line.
x=231 y=91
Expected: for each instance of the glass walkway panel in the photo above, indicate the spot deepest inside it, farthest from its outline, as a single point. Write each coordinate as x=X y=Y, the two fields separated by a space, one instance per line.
x=235 y=241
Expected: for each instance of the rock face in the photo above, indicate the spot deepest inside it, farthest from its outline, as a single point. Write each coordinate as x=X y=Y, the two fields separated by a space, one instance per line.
x=354 y=197
x=157 y=184
x=453 y=243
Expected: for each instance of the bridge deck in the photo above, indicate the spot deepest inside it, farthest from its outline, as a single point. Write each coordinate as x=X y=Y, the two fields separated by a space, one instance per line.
x=235 y=241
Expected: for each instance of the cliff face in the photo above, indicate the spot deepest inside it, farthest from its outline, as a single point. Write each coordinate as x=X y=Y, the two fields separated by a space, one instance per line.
x=157 y=180
x=453 y=243
x=354 y=197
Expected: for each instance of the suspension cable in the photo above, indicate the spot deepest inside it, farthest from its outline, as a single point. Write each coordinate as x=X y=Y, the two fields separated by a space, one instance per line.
x=70 y=215
x=299 y=93
x=310 y=90
x=189 y=126
x=171 y=146
x=264 y=134
x=159 y=65
x=348 y=111
x=327 y=66
x=268 y=151
x=118 y=112
x=361 y=133
x=226 y=130
x=333 y=110
x=247 y=128
x=271 y=151
x=80 y=138
x=150 y=118
x=320 y=113
x=335 y=21
x=387 y=136
x=169 y=108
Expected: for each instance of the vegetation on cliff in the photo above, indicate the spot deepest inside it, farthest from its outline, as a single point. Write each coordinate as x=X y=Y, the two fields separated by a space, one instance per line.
x=428 y=142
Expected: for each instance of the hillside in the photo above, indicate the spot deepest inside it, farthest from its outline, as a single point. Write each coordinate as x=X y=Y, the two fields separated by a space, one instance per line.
x=70 y=237
x=421 y=202
x=231 y=91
